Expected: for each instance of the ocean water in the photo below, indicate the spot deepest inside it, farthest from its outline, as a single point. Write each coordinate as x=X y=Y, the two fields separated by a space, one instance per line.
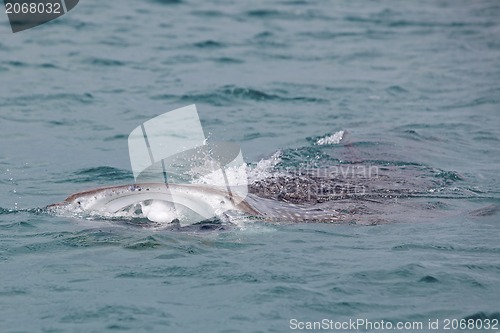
x=414 y=86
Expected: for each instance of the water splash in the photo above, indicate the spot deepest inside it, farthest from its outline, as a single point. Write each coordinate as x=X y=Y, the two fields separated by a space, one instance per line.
x=333 y=139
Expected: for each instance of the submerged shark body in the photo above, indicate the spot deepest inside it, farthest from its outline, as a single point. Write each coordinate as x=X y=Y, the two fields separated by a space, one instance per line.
x=187 y=203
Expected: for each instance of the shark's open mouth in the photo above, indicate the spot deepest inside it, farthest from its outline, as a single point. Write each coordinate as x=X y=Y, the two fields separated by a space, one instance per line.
x=157 y=202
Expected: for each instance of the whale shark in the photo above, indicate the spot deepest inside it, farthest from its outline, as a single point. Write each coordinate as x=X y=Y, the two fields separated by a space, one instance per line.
x=308 y=195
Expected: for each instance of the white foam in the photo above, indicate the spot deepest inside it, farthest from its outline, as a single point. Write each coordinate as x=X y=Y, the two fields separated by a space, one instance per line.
x=242 y=174
x=333 y=139
x=264 y=168
x=236 y=176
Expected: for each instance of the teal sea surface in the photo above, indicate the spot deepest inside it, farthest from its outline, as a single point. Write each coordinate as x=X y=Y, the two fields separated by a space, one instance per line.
x=413 y=87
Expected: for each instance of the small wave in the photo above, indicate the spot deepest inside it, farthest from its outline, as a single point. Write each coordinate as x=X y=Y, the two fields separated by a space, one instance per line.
x=445 y=248
x=98 y=174
x=483 y=315
x=257 y=95
x=105 y=62
x=27 y=100
x=208 y=13
x=247 y=93
x=447 y=176
x=286 y=15
x=397 y=23
x=329 y=35
x=417 y=136
x=490 y=210
x=226 y=95
x=167 y=2
x=396 y=90
x=209 y=44
x=429 y=279
x=265 y=13
x=15 y=63
x=228 y=60
x=5 y=211
x=34 y=211
x=119 y=137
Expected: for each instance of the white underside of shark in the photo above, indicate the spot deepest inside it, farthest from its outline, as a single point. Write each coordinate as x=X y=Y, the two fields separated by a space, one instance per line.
x=185 y=204
x=159 y=202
